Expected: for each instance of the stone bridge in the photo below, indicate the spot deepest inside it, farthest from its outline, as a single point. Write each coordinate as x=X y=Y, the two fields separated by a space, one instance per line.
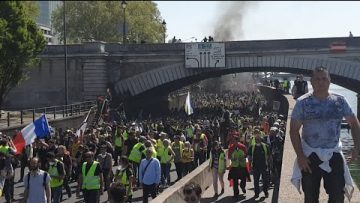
x=142 y=70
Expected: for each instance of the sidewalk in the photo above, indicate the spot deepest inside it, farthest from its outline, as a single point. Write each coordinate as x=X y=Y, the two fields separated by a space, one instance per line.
x=207 y=195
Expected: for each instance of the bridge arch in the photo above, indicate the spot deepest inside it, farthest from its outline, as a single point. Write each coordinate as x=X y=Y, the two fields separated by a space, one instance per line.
x=171 y=77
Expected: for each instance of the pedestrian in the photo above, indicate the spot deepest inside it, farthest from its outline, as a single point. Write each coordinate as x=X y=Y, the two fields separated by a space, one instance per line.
x=124 y=175
x=259 y=158
x=105 y=160
x=37 y=184
x=192 y=192
x=238 y=170
x=64 y=156
x=177 y=146
x=149 y=171
x=25 y=157
x=300 y=87
x=166 y=155
x=318 y=150
x=6 y=175
x=91 y=179
x=218 y=166
x=135 y=156
x=118 y=143
x=57 y=174
x=187 y=158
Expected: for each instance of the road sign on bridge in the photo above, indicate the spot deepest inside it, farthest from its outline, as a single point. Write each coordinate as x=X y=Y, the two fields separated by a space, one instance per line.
x=205 y=55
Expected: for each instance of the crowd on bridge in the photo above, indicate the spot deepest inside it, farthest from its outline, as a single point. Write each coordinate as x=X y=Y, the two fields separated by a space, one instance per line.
x=234 y=130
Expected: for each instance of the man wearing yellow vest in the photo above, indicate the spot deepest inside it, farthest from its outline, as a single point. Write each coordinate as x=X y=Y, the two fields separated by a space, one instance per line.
x=118 y=143
x=218 y=165
x=57 y=175
x=166 y=155
x=90 y=180
x=258 y=155
x=135 y=156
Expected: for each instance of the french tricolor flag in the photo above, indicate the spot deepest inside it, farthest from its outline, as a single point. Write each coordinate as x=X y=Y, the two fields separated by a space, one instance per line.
x=38 y=129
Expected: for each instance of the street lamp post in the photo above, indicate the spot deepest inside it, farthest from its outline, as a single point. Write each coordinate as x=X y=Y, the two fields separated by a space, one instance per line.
x=164 y=26
x=65 y=55
x=123 y=5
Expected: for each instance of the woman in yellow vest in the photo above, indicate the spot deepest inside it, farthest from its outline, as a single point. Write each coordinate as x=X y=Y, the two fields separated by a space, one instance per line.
x=238 y=170
x=124 y=175
x=187 y=158
x=177 y=146
x=218 y=165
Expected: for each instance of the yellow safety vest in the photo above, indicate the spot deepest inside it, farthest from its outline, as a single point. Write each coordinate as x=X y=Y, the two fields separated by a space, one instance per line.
x=135 y=154
x=124 y=179
x=222 y=162
x=118 y=141
x=164 y=155
x=55 y=182
x=125 y=135
x=90 y=181
x=190 y=132
x=265 y=150
x=154 y=154
x=4 y=149
x=238 y=159
x=181 y=146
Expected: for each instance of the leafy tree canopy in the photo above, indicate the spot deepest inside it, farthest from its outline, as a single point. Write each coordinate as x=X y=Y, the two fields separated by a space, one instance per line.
x=20 y=43
x=103 y=21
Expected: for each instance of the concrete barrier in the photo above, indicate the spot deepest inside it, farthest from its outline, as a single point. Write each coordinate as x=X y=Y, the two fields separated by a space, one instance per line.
x=201 y=175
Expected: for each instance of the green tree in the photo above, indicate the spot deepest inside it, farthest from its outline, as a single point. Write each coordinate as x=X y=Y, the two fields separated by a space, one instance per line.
x=20 y=43
x=103 y=21
x=32 y=8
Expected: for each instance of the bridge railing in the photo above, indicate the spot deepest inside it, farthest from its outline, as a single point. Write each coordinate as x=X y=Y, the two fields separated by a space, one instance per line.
x=13 y=118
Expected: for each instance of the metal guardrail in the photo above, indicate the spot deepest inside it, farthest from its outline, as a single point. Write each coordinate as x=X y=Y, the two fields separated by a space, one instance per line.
x=52 y=112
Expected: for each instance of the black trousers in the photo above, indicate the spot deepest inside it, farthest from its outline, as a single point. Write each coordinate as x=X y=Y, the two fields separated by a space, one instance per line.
x=91 y=196
x=334 y=182
x=237 y=174
x=179 y=170
x=148 y=189
x=9 y=184
x=264 y=173
x=117 y=153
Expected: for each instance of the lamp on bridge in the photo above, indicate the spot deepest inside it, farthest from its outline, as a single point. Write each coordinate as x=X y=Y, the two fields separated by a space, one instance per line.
x=123 y=5
x=164 y=26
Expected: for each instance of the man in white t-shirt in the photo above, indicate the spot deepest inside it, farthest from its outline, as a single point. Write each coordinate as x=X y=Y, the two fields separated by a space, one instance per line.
x=37 y=184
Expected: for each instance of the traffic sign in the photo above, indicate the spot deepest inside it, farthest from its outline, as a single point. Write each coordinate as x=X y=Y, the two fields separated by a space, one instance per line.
x=205 y=55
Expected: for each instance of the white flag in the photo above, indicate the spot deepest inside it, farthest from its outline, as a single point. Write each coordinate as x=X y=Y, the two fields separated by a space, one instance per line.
x=83 y=125
x=188 y=109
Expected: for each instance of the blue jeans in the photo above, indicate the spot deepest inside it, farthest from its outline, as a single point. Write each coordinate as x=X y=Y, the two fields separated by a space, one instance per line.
x=165 y=173
x=56 y=194
x=334 y=182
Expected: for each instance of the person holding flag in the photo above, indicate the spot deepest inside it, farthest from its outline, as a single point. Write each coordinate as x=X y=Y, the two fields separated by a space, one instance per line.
x=38 y=129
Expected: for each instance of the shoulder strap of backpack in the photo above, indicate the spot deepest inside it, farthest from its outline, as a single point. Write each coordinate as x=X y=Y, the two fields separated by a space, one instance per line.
x=28 y=180
x=44 y=178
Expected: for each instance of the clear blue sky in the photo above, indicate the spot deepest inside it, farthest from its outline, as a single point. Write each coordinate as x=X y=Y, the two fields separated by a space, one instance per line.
x=263 y=20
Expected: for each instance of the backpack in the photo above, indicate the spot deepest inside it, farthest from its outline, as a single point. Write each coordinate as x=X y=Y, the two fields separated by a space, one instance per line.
x=44 y=179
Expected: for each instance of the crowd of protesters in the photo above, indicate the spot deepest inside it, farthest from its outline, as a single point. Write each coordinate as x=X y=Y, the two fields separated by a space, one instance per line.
x=144 y=151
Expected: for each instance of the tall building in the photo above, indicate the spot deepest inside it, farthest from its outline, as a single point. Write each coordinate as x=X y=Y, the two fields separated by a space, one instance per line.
x=44 y=20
